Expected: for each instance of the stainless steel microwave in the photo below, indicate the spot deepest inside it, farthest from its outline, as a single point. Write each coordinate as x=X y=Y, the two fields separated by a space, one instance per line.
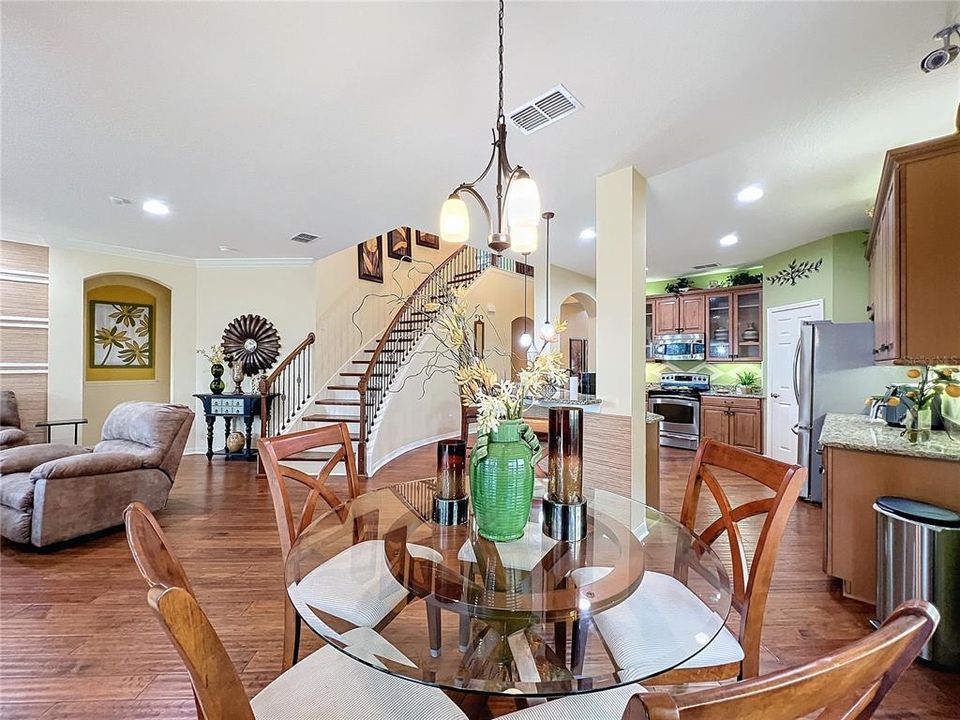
x=686 y=346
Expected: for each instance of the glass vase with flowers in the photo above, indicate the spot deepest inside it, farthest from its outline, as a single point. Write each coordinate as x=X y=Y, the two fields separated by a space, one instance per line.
x=932 y=383
x=506 y=449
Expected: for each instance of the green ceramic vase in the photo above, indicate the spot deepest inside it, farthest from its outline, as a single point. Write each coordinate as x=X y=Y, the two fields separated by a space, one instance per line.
x=501 y=484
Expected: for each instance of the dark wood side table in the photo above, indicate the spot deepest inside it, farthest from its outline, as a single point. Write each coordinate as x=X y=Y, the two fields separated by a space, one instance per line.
x=76 y=422
x=230 y=406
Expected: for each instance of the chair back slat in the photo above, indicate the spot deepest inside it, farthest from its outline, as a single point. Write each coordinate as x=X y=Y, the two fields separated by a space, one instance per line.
x=750 y=586
x=214 y=678
x=274 y=450
x=151 y=551
x=848 y=684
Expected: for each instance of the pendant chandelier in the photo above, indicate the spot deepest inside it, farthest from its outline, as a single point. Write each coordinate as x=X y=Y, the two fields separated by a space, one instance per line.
x=518 y=200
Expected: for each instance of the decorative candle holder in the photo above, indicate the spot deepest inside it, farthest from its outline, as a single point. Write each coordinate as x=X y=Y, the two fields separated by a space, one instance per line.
x=564 y=507
x=450 y=500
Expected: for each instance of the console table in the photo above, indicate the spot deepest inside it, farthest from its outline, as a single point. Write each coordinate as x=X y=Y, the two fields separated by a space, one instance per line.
x=230 y=406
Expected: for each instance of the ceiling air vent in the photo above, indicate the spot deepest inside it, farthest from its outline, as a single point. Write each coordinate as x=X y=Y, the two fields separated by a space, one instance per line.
x=553 y=105
x=304 y=238
x=707 y=266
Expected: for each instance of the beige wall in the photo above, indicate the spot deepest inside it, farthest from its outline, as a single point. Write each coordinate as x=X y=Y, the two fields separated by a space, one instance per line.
x=580 y=315
x=69 y=267
x=425 y=406
x=101 y=396
x=341 y=330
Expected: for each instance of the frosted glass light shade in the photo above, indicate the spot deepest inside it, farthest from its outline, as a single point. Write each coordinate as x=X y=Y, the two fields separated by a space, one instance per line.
x=526 y=340
x=523 y=203
x=548 y=334
x=454 y=220
x=523 y=239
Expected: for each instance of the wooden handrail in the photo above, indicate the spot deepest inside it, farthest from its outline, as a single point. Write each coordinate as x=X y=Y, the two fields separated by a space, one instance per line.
x=362 y=385
x=310 y=339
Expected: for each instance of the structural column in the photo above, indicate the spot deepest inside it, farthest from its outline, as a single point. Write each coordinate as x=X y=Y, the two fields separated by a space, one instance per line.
x=621 y=309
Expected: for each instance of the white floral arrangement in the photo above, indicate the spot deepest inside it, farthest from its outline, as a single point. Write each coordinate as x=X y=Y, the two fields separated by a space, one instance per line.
x=480 y=387
x=214 y=355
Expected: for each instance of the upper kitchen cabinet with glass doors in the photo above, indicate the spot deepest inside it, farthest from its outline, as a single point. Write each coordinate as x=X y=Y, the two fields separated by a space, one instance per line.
x=734 y=330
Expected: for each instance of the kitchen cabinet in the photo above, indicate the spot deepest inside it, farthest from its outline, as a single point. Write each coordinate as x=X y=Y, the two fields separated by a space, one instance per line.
x=914 y=254
x=674 y=314
x=734 y=322
x=735 y=420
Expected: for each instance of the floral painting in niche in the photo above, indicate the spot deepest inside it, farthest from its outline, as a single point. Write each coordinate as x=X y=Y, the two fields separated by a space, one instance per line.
x=122 y=335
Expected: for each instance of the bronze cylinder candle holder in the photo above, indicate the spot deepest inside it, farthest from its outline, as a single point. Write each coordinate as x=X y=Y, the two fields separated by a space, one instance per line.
x=450 y=501
x=564 y=507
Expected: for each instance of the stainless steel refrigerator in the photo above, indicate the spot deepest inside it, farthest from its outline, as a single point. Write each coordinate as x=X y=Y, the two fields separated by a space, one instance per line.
x=833 y=372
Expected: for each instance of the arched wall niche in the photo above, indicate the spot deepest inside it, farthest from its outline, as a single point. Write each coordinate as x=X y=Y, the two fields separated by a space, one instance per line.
x=579 y=311
x=128 y=372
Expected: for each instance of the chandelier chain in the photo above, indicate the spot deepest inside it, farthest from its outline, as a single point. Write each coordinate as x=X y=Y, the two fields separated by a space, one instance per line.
x=500 y=75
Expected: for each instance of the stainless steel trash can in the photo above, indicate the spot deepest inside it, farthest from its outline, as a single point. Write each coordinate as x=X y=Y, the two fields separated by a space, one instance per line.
x=918 y=557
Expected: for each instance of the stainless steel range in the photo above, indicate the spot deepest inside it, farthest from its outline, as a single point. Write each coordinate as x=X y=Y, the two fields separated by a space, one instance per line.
x=678 y=400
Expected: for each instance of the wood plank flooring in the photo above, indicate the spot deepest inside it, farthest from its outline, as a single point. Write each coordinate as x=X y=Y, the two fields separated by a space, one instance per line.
x=77 y=640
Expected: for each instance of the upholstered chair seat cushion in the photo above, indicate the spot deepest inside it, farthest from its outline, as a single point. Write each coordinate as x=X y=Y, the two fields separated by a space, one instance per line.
x=602 y=705
x=329 y=685
x=11 y=437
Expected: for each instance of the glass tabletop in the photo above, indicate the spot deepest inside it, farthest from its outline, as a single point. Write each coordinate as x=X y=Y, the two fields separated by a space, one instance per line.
x=377 y=579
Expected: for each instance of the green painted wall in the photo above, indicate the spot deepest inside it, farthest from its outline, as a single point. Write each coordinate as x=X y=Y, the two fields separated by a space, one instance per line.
x=842 y=281
x=702 y=282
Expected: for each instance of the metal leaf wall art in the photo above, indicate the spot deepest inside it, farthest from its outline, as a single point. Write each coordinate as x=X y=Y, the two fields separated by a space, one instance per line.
x=795 y=271
x=254 y=341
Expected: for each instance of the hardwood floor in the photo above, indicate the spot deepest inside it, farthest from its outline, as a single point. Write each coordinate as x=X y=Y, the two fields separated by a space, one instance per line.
x=77 y=640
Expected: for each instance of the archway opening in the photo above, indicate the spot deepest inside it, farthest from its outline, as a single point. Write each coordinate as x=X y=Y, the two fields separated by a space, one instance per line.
x=126 y=345
x=579 y=312
x=518 y=353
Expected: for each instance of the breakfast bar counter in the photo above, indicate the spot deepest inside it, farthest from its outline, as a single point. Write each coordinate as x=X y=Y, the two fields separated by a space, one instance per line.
x=864 y=460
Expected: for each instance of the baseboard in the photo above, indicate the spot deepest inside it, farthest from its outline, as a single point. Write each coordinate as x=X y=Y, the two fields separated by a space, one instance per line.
x=393 y=455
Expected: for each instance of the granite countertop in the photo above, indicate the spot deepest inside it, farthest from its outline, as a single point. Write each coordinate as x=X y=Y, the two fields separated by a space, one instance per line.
x=722 y=392
x=858 y=432
x=543 y=411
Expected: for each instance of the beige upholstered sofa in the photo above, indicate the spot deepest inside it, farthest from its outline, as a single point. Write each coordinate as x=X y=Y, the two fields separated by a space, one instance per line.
x=50 y=492
x=11 y=435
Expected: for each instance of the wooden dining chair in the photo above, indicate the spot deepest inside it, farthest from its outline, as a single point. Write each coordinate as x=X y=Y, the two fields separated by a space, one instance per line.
x=850 y=684
x=727 y=655
x=326 y=685
x=326 y=593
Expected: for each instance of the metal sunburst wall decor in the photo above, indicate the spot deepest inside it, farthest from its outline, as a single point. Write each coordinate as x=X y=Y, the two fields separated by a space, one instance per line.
x=252 y=340
x=795 y=271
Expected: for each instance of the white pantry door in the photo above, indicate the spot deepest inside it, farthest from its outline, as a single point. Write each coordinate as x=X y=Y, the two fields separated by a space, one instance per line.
x=783 y=334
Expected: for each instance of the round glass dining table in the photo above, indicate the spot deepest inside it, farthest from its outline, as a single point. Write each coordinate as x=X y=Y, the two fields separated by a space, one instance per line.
x=441 y=605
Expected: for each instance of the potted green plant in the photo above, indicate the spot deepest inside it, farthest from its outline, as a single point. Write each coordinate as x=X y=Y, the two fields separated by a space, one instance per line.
x=748 y=382
x=679 y=286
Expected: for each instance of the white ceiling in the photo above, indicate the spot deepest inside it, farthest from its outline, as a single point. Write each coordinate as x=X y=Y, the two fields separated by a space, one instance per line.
x=257 y=121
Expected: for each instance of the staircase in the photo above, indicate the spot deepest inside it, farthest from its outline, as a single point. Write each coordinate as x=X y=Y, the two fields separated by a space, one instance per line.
x=357 y=395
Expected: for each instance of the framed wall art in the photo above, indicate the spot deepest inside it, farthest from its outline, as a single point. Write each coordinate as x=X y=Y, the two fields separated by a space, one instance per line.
x=370 y=259
x=399 y=245
x=578 y=355
x=121 y=335
x=425 y=239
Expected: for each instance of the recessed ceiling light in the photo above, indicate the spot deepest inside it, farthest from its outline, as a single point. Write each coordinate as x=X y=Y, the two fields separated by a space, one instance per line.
x=226 y=248
x=730 y=239
x=751 y=193
x=588 y=234
x=156 y=207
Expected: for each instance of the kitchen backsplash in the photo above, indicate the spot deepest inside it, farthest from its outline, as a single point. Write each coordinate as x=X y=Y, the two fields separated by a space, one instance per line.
x=720 y=373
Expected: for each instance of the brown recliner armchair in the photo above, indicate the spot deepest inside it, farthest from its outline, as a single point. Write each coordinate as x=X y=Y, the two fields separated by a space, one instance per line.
x=50 y=492
x=11 y=435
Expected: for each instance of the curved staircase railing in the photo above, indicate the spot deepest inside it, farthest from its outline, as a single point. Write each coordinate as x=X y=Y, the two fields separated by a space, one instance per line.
x=407 y=327
x=292 y=381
